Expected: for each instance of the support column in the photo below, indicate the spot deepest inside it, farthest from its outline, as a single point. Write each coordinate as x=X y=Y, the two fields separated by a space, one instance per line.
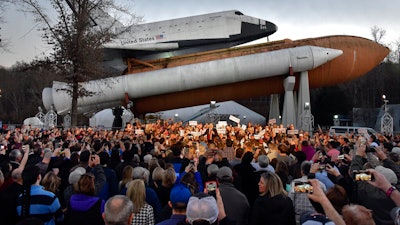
x=288 y=115
x=304 y=94
x=305 y=120
x=274 y=108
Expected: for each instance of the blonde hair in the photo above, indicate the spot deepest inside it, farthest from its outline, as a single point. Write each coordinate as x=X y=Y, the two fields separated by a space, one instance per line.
x=137 y=194
x=51 y=182
x=127 y=175
x=157 y=174
x=273 y=184
x=169 y=178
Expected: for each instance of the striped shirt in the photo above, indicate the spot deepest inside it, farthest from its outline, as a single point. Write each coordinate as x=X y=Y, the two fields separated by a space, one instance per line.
x=44 y=205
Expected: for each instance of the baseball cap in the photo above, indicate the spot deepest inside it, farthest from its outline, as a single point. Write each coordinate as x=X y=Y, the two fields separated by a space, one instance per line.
x=396 y=150
x=76 y=174
x=224 y=172
x=179 y=196
x=202 y=207
x=311 y=218
x=388 y=173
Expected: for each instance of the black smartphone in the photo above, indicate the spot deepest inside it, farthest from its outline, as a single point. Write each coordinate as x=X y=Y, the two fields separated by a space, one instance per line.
x=370 y=149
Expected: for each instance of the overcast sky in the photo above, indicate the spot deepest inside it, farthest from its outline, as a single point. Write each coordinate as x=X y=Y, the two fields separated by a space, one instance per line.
x=296 y=19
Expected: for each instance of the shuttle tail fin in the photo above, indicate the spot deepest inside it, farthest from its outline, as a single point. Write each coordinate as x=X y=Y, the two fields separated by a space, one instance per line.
x=99 y=19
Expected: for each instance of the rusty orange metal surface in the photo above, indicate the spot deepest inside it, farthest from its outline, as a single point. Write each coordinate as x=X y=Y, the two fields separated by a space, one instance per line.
x=360 y=55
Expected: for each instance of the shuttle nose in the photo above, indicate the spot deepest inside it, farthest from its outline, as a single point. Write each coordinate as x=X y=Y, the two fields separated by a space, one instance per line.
x=270 y=27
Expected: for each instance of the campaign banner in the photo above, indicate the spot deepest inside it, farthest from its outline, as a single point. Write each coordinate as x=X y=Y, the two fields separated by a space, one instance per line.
x=292 y=132
x=279 y=130
x=193 y=123
x=139 y=131
x=234 y=119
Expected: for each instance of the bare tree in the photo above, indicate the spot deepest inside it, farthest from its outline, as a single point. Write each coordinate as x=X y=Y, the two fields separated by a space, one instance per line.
x=3 y=43
x=77 y=38
x=377 y=33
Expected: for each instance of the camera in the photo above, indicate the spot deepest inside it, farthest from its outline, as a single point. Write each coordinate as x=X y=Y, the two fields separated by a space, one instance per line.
x=340 y=157
x=303 y=187
x=362 y=175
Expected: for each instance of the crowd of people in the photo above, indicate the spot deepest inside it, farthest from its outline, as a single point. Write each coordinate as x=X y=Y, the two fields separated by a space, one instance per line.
x=172 y=173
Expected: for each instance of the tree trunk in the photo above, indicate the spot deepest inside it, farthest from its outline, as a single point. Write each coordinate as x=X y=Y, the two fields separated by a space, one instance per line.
x=74 y=105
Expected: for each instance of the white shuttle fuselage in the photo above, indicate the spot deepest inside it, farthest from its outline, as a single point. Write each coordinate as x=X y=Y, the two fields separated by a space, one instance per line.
x=185 y=35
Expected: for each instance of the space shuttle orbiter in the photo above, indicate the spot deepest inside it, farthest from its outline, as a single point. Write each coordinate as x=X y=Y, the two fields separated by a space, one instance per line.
x=180 y=36
x=186 y=35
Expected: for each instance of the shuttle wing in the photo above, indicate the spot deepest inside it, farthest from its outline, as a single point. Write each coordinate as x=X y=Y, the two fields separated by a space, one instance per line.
x=143 y=47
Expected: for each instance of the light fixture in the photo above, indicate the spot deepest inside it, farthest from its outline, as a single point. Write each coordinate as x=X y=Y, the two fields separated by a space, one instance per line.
x=306 y=105
x=213 y=104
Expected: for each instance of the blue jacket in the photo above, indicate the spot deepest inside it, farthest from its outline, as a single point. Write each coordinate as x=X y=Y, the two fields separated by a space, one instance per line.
x=174 y=220
x=44 y=205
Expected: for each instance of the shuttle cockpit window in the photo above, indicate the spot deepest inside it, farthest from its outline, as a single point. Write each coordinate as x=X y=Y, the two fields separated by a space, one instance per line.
x=238 y=13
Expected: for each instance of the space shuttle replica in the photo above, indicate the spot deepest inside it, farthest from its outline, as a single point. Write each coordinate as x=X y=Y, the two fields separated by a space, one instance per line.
x=189 y=61
x=183 y=36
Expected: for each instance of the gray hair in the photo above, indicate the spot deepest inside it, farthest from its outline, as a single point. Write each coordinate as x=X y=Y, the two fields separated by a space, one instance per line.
x=14 y=154
x=141 y=173
x=263 y=161
x=212 y=169
x=117 y=210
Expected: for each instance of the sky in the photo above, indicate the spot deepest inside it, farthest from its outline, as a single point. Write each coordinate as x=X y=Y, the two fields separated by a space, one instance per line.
x=296 y=19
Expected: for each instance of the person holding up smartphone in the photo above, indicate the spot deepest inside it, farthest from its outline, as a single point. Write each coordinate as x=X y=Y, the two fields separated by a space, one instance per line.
x=367 y=194
x=319 y=196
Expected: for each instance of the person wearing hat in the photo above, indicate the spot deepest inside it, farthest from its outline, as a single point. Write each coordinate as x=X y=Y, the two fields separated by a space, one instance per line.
x=179 y=198
x=331 y=217
x=203 y=209
x=72 y=179
x=237 y=206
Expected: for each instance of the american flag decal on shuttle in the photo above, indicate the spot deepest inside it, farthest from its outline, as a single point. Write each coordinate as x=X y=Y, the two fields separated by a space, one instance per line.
x=158 y=37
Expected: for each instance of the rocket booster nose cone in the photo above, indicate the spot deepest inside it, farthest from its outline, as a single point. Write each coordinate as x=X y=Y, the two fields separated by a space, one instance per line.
x=324 y=55
x=47 y=98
